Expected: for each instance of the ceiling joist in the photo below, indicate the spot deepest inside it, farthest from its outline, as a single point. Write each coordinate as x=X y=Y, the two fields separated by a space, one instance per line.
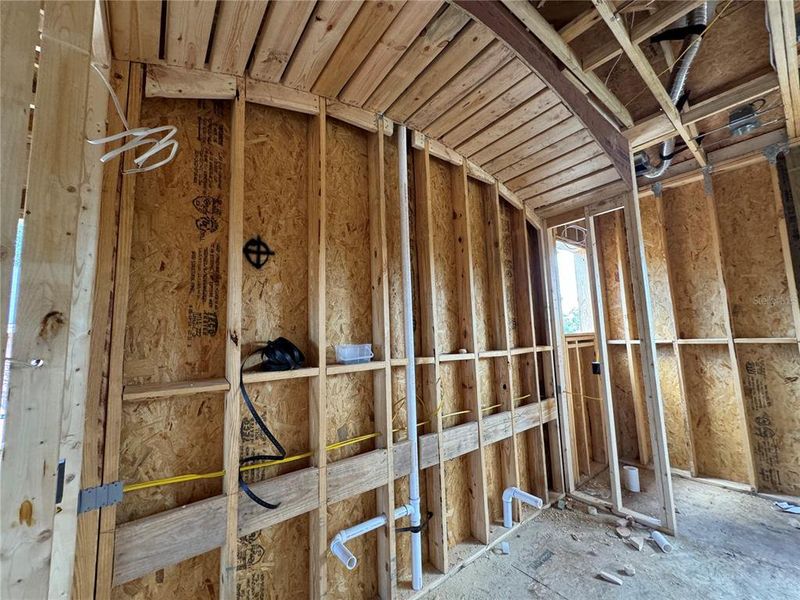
x=783 y=33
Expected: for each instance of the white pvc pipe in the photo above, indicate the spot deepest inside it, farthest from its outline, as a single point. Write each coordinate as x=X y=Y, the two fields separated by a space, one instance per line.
x=411 y=377
x=661 y=541
x=515 y=493
x=631 y=478
x=341 y=551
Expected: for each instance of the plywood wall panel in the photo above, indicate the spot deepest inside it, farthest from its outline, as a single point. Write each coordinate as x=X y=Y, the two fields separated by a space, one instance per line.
x=484 y=287
x=176 y=307
x=715 y=416
x=609 y=273
x=275 y=297
x=771 y=377
x=394 y=249
x=493 y=456
x=751 y=253
x=361 y=582
x=167 y=437
x=675 y=417
x=456 y=479
x=594 y=406
x=192 y=579
x=269 y=562
x=699 y=298
x=624 y=413
x=349 y=296
x=350 y=413
x=657 y=271
x=507 y=260
x=444 y=257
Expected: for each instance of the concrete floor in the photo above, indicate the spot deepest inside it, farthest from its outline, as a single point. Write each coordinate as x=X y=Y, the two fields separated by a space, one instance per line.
x=730 y=545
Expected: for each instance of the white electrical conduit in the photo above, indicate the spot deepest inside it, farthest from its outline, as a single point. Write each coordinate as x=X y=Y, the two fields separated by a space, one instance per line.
x=411 y=378
x=341 y=551
x=141 y=137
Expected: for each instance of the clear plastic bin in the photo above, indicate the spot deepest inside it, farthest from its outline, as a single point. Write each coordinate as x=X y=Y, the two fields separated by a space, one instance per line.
x=350 y=354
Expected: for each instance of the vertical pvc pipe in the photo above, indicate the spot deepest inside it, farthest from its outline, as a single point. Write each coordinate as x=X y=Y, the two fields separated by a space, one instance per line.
x=411 y=377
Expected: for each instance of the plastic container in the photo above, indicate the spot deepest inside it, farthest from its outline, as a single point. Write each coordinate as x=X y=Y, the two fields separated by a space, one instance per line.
x=351 y=354
x=630 y=477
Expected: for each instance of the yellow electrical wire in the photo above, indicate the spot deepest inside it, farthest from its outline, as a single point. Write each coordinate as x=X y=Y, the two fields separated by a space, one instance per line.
x=132 y=487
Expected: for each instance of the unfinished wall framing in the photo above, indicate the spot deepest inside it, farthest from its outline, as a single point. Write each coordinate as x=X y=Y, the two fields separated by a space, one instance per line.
x=726 y=322
x=318 y=184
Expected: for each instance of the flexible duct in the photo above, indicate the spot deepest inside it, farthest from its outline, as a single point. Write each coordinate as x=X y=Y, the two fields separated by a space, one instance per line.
x=699 y=16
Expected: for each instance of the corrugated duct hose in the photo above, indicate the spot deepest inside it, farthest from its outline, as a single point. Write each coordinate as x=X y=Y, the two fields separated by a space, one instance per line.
x=697 y=20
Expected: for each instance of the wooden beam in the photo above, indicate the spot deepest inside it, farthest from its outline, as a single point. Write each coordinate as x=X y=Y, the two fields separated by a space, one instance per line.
x=579 y=25
x=235 y=30
x=28 y=470
x=651 y=80
x=233 y=351
x=542 y=29
x=658 y=128
x=530 y=50
x=280 y=96
x=783 y=34
x=178 y=82
x=651 y=25
x=20 y=35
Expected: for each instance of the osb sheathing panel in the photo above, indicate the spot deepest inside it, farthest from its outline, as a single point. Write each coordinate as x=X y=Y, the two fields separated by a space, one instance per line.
x=394 y=249
x=524 y=442
x=656 y=259
x=453 y=396
x=349 y=295
x=270 y=562
x=444 y=256
x=675 y=418
x=176 y=306
x=489 y=397
x=755 y=275
x=507 y=257
x=284 y=407
x=609 y=272
x=638 y=382
x=771 y=376
x=699 y=301
x=167 y=437
x=577 y=411
x=456 y=478
x=402 y=540
x=350 y=413
x=494 y=481
x=624 y=413
x=361 y=582
x=275 y=297
x=715 y=415
x=484 y=288
x=196 y=578
x=594 y=408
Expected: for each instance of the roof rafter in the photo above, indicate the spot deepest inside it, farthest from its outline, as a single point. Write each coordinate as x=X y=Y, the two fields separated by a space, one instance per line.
x=651 y=80
x=539 y=26
x=532 y=52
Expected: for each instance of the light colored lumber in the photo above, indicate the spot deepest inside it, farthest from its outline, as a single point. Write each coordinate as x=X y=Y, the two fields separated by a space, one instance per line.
x=147 y=391
x=368 y=26
x=579 y=25
x=178 y=82
x=402 y=32
x=603 y=199
x=564 y=192
x=283 y=25
x=542 y=29
x=551 y=142
x=317 y=342
x=419 y=55
x=280 y=96
x=569 y=173
x=468 y=44
x=574 y=157
x=485 y=64
x=783 y=34
x=135 y=28
x=188 y=32
x=233 y=350
x=235 y=31
x=651 y=25
x=325 y=29
x=651 y=80
x=20 y=34
x=33 y=425
x=359 y=117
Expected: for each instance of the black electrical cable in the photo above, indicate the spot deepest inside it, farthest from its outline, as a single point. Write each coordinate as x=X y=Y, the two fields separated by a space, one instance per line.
x=277 y=355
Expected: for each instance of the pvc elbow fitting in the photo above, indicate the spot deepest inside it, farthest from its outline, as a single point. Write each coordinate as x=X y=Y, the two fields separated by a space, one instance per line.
x=513 y=492
x=341 y=552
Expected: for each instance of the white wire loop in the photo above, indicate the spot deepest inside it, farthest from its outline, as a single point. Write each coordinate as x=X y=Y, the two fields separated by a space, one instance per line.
x=141 y=137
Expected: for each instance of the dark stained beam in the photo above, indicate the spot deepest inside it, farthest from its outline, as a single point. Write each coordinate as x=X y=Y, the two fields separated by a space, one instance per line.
x=530 y=50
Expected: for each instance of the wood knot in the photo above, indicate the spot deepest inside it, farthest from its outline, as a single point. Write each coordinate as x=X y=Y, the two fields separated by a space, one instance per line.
x=26 y=513
x=51 y=324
